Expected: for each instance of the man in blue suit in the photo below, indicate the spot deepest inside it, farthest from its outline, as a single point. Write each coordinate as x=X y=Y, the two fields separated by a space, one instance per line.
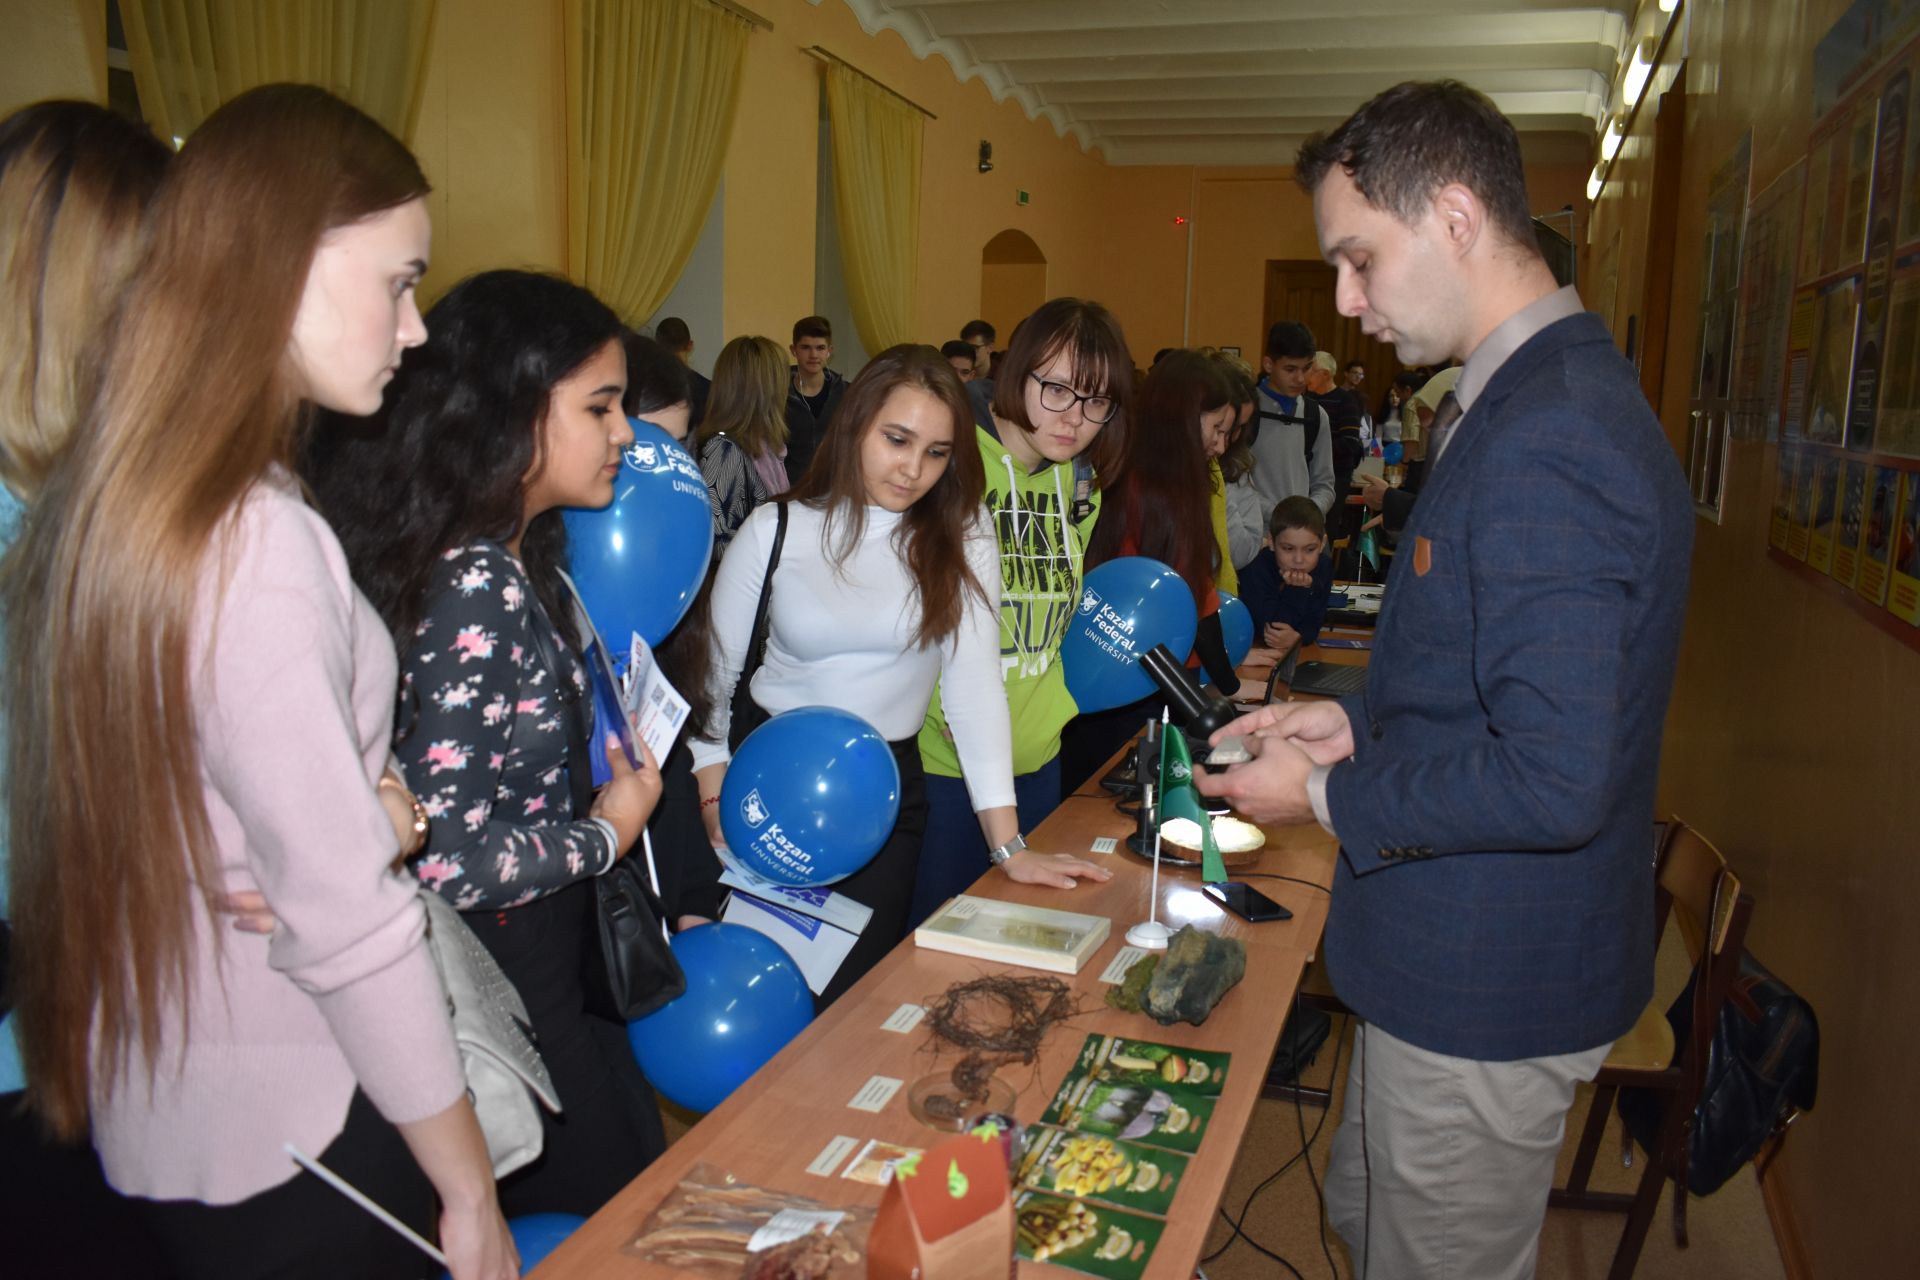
x=1493 y=787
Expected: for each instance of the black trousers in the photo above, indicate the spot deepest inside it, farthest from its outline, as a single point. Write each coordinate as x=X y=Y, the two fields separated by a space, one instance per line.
x=303 y=1229
x=886 y=883
x=1091 y=738
x=609 y=1128
x=58 y=1216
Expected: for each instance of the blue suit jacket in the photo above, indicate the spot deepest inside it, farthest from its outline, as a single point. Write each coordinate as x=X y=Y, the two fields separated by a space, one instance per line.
x=1494 y=894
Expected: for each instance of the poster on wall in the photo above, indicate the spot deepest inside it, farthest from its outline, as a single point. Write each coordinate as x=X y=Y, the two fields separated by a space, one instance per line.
x=1800 y=515
x=1871 y=340
x=1899 y=425
x=1766 y=306
x=1876 y=542
x=1903 y=593
x=1782 y=497
x=1852 y=184
x=1830 y=373
x=1910 y=168
x=1820 y=530
x=1853 y=507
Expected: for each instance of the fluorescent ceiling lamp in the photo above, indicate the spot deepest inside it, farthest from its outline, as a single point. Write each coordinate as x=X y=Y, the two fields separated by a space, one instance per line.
x=1610 y=140
x=1593 y=184
x=1635 y=82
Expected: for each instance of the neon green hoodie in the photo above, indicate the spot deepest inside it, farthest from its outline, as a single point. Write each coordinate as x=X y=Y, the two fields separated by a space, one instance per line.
x=1042 y=549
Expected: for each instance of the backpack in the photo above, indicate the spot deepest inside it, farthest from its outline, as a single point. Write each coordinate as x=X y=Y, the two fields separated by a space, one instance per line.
x=1312 y=425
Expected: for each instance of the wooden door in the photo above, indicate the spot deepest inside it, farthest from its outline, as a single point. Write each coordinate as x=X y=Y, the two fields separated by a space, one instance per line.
x=1302 y=289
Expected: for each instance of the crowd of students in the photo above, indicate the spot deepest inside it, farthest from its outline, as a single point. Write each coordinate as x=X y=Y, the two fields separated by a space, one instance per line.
x=310 y=541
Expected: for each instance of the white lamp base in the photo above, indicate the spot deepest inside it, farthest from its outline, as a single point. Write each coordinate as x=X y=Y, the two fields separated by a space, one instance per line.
x=1149 y=935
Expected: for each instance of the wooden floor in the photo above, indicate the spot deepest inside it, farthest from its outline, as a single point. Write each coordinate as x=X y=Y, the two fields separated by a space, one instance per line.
x=1731 y=1237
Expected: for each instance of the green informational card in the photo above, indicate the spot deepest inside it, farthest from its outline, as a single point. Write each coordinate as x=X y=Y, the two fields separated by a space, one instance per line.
x=1082 y=1237
x=1163 y=1117
x=1128 y=1174
x=1125 y=1061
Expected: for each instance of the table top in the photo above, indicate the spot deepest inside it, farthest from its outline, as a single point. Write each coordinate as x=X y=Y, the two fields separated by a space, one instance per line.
x=775 y=1125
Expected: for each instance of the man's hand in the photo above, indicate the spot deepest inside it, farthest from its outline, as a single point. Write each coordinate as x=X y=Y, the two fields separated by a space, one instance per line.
x=1318 y=729
x=1373 y=492
x=1280 y=638
x=1271 y=788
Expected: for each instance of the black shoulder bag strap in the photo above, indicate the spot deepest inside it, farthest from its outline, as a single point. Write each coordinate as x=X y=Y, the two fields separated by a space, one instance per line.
x=635 y=971
x=746 y=714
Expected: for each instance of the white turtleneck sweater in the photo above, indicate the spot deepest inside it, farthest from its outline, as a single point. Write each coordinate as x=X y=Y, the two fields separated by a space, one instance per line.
x=842 y=636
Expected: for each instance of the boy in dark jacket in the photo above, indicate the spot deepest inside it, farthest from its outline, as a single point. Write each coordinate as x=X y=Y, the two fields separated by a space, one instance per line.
x=1286 y=586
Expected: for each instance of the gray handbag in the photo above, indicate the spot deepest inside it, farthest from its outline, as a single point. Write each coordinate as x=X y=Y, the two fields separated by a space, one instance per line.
x=503 y=1068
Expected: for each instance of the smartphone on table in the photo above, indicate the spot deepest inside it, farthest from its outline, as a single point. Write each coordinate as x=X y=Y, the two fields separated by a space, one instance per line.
x=1246 y=901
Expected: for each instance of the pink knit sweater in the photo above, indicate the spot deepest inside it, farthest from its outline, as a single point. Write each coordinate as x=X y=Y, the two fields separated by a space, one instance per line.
x=293 y=677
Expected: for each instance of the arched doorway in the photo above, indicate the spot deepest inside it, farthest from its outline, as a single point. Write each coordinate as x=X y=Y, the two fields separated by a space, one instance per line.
x=1013 y=281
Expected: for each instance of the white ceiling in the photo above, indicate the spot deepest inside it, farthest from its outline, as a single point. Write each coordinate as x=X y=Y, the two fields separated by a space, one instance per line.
x=1246 y=81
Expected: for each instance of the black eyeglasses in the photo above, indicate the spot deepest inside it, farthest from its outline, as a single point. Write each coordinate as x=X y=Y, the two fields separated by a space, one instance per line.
x=1058 y=397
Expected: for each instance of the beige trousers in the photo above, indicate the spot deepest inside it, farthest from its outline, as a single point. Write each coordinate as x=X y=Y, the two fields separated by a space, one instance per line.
x=1441 y=1165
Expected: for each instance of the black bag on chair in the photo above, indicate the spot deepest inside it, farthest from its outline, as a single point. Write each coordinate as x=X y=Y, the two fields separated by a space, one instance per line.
x=1763 y=1066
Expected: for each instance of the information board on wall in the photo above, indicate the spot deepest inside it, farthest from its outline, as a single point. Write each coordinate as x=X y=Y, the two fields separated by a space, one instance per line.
x=1844 y=373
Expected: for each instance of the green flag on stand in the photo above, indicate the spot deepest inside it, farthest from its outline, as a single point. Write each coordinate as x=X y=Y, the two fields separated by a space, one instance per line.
x=1370 y=548
x=1179 y=799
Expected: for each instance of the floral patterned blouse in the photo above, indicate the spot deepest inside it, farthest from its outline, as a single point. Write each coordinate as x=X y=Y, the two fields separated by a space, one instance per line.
x=483 y=737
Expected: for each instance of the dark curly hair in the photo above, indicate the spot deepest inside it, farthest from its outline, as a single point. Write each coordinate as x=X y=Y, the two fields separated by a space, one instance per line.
x=447 y=458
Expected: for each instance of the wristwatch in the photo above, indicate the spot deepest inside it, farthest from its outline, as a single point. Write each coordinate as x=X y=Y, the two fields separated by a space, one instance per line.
x=1001 y=855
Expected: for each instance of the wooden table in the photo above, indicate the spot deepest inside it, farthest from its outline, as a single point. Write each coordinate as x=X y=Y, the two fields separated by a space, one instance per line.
x=780 y=1120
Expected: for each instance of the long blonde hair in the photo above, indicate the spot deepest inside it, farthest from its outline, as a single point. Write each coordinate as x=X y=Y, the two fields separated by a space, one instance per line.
x=749 y=397
x=110 y=837
x=75 y=182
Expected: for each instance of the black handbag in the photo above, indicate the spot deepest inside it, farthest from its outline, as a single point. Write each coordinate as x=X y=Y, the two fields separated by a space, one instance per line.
x=744 y=714
x=638 y=973
x=1763 y=1067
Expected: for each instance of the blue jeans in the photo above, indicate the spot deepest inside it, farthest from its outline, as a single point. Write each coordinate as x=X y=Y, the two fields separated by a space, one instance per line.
x=953 y=854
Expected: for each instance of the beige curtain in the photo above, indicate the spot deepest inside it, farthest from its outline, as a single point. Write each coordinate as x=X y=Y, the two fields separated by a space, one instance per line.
x=651 y=91
x=876 y=192
x=189 y=56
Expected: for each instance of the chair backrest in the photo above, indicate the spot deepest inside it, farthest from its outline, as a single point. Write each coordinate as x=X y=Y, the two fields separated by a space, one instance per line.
x=1711 y=909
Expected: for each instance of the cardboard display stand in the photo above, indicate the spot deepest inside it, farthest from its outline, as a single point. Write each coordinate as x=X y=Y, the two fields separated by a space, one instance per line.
x=947 y=1215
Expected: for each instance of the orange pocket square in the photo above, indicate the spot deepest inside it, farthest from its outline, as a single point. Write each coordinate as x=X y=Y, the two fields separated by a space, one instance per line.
x=1422 y=556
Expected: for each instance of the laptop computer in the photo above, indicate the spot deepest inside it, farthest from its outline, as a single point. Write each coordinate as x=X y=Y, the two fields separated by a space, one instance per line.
x=1322 y=679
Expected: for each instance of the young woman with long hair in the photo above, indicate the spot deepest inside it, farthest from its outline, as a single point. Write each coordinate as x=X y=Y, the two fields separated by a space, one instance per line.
x=1049 y=432
x=75 y=182
x=450 y=512
x=209 y=709
x=1161 y=507
x=742 y=442
x=888 y=581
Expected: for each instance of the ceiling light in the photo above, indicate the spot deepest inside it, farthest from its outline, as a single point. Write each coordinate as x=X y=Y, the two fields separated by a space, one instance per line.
x=1635 y=82
x=1594 y=182
x=1668 y=6
x=1610 y=140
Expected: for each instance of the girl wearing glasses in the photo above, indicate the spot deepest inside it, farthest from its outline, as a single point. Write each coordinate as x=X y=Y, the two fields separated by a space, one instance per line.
x=1049 y=429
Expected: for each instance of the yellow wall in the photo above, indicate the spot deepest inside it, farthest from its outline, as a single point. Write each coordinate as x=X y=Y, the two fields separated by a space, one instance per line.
x=492 y=136
x=1791 y=738
x=53 y=49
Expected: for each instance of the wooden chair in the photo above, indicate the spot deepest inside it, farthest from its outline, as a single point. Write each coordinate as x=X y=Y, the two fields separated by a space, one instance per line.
x=1705 y=900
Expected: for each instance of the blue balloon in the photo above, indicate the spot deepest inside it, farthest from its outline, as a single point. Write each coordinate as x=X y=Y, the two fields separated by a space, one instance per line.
x=1236 y=627
x=640 y=560
x=536 y=1235
x=1127 y=606
x=745 y=999
x=810 y=796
